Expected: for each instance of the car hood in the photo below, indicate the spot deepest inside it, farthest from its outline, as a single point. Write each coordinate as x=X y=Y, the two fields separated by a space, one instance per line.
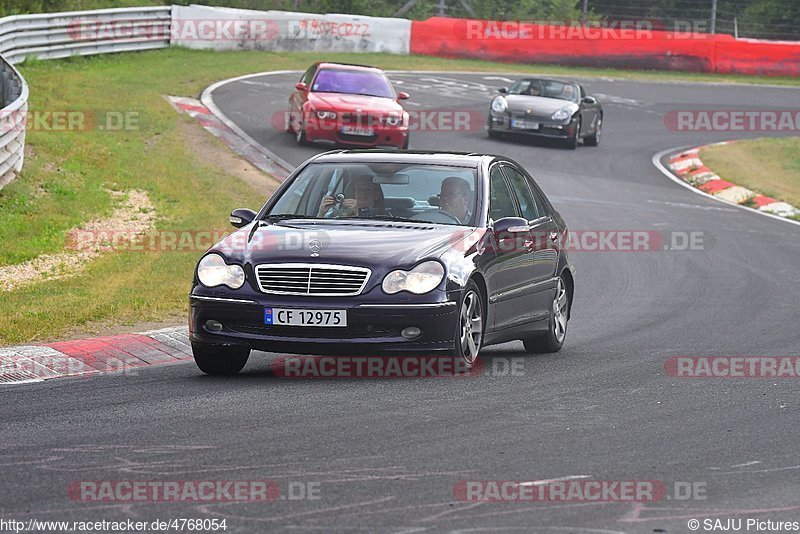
x=377 y=245
x=539 y=105
x=353 y=103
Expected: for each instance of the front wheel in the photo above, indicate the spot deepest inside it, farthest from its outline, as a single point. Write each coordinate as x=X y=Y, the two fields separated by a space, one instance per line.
x=469 y=334
x=572 y=141
x=300 y=135
x=553 y=339
x=594 y=139
x=220 y=360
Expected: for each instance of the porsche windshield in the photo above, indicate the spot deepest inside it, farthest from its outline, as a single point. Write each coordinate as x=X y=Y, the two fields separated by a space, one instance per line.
x=412 y=192
x=545 y=88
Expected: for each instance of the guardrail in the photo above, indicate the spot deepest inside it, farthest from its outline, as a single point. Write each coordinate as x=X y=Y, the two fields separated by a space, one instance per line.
x=59 y=35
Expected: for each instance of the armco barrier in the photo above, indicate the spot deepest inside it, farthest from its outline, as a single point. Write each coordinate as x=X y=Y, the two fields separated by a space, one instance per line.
x=199 y=27
x=58 y=35
x=592 y=47
x=12 y=136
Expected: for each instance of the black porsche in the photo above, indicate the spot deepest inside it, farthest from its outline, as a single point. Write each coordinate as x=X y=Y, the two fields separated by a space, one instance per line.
x=546 y=108
x=370 y=251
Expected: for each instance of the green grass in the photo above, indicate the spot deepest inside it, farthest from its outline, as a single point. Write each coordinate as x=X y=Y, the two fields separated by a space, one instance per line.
x=770 y=166
x=67 y=175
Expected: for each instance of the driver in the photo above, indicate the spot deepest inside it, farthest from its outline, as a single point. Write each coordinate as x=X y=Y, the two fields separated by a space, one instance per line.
x=454 y=198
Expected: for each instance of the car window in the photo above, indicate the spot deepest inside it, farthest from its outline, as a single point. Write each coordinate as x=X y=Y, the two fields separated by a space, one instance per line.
x=309 y=75
x=349 y=81
x=527 y=203
x=364 y=190
x=501 y=204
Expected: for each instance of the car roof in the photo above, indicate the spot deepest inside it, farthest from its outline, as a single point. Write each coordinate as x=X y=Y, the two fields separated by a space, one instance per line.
x=348 y=66
x=460 y=159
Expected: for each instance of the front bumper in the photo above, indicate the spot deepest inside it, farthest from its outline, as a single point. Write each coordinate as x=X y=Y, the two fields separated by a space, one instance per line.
x=501 y=123
x=372 y=327
x=383 y=137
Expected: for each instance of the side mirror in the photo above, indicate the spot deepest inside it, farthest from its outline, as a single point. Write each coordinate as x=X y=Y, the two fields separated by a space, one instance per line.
x=589 y=100
x=503 y=90
x=402 y=95
x=242 y=217
x=301 y=86
x=510 y=225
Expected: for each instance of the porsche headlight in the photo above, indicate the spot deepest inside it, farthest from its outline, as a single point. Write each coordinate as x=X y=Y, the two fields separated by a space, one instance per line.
x=562 y=114
x=392 y=120
x=499 y=104
x=326 y=114
x=212 y=271
x=421 y=279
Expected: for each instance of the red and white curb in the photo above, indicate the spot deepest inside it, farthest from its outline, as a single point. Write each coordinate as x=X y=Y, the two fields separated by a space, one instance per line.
x=688 y=166
x=108 y=354
x=243 y=146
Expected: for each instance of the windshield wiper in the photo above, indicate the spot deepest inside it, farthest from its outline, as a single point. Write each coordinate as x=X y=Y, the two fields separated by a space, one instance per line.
x=286 y=216
x=382 y=218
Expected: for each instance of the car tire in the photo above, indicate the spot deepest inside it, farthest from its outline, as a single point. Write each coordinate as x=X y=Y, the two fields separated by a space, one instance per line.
x=469 y=326
x=594 y=139
x=406 y=142
x=300 y=135
x=553 y=339
x=572 y=142
x=218 y=359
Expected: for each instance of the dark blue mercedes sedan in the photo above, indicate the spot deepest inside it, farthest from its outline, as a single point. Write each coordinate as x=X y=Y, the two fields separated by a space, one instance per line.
x=369 y=251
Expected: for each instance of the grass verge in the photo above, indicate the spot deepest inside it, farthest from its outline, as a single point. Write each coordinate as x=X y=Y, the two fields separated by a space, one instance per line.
x=770 y=166
x=68 y=175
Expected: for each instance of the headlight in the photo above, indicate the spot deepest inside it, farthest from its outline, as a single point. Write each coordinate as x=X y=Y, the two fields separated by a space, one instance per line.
x=421 y=279
x=499 y=104
x=562 y=114
x=326 y=114
x=392 y=120
x=213 y=271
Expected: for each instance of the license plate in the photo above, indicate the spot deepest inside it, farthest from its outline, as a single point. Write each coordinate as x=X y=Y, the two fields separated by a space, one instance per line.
x=354 y=130
x=304 y=317
x=524 y=125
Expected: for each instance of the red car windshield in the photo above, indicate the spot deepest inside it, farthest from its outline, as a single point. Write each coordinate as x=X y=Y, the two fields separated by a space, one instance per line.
x=355 y=82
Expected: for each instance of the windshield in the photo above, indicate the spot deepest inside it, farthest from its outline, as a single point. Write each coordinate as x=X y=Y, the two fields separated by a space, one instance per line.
x=545 y=88
x=389 y=191
x=359 y=82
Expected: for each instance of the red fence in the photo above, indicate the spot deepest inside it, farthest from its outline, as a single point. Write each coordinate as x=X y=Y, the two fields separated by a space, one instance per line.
x=627 y=48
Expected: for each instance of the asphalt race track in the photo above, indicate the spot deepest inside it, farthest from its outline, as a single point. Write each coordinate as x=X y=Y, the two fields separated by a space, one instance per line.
x=386 y=455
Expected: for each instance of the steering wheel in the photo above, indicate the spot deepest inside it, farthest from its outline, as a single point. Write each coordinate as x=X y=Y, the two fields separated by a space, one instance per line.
x=436 y=216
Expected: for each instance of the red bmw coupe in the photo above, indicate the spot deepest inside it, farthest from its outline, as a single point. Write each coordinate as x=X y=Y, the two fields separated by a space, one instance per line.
x=342 y=104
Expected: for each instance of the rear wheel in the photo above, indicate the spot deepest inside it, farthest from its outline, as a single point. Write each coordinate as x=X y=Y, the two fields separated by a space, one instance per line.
x=553 y=339
x=218 y=359
x=469 y=334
